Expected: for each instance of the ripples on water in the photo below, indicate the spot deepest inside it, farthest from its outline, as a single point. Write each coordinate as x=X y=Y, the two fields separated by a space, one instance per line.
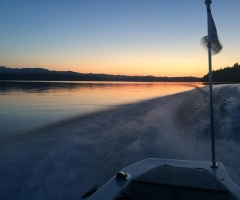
x=65 y=162
x=28 y=105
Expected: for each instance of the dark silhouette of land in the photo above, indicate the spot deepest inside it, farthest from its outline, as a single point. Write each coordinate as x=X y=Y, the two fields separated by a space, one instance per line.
x=226 y=75
x=39 y=74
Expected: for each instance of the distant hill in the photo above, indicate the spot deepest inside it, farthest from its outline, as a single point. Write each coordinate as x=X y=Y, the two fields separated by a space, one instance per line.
x=40 y=74
x=226 y=75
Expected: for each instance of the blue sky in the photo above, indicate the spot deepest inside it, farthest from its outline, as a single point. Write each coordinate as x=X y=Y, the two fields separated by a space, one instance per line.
x=144 y=37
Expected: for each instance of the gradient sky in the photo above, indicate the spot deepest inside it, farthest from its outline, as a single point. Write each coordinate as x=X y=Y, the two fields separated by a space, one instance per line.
x=132 y=37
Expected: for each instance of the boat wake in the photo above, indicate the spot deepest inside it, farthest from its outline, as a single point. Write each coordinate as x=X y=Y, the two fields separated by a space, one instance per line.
x=66 y=160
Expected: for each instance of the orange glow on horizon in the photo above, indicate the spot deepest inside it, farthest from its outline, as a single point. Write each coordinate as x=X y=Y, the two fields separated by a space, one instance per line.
x=181 y=66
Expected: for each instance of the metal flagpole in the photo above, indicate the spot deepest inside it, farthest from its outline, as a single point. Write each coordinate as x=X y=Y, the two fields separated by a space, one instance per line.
x=208 y=2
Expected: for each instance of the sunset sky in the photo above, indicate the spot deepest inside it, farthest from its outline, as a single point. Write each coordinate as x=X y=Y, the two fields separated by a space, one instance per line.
x=131 y=37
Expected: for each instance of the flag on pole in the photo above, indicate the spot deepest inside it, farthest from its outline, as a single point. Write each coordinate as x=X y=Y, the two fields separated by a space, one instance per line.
x=216 y=46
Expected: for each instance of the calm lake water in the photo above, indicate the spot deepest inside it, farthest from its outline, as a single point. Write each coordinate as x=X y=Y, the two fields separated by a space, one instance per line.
x=28 y=105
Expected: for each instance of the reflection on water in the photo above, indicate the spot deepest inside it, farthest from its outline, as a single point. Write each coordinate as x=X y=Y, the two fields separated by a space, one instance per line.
x=27 y=105
x=42 y=86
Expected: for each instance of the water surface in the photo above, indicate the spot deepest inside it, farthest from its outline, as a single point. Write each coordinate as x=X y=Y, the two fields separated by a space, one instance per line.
x=28 y=105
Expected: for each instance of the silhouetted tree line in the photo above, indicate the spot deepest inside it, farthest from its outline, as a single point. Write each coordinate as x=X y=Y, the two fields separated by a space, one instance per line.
x=50 y=77
x=40 y=74
x=226 y=75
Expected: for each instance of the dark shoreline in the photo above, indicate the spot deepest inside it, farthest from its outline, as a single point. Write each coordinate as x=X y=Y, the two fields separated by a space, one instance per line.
x=112 y=78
